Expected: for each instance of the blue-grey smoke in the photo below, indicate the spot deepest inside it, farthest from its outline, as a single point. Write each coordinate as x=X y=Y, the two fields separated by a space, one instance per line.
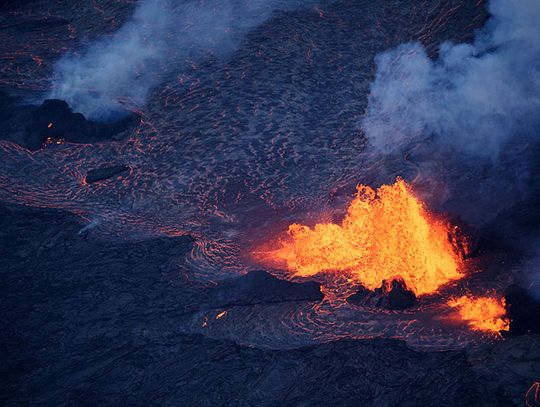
x=119 y=72
x=473 y=112
x=473 y=97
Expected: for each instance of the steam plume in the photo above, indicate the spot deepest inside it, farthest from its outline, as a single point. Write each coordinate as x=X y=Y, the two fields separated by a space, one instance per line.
x=473 y=97
x=474 y=113
x=126 y=67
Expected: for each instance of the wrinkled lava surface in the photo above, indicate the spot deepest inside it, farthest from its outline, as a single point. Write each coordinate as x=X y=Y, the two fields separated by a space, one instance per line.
x=106 y=284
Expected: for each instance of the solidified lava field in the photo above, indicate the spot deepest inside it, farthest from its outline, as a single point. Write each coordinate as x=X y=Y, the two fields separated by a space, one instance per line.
x=128 y=273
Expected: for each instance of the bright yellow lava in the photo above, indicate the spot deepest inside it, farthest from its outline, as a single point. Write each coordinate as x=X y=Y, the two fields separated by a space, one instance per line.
x=386 y=233
x=482 y=313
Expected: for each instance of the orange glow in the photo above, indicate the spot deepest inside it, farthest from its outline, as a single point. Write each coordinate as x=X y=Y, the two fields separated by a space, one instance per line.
x=482 y=313
x=385 y=234
x=221 y=314
x=49 y=125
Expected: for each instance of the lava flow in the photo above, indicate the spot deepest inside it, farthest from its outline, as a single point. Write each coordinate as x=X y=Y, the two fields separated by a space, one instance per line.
x=385 y=234
x=482 y=313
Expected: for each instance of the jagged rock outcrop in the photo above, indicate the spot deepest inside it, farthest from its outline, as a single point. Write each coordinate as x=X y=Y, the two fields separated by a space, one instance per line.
x=261 y=287
x=53 y=122
x=392 y=295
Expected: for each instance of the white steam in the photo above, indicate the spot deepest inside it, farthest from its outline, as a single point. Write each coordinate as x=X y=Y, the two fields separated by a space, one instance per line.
x=122 y=70
x=473 y=97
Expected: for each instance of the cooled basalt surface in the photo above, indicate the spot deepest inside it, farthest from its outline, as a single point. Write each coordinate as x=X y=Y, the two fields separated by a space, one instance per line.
x=87 y=320
x=106 y=298
x=261 y=287
x=104 y=173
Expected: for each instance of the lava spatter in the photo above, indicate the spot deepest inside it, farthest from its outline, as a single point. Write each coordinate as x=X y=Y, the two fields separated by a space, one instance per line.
x=385 y=234
x=482 y=313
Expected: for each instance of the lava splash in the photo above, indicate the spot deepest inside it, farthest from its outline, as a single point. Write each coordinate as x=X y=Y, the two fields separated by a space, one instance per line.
x=482 y=313
x=385 y=234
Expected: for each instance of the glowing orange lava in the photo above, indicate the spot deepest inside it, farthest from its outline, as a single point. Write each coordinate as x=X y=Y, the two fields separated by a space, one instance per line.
x=482 y=313
x=385 y=234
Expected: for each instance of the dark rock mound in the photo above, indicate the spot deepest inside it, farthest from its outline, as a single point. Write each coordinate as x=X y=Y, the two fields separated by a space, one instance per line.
x=260 y=287
x=392 y=295
x=523 y=310
x=53 y=123
x=103 y=173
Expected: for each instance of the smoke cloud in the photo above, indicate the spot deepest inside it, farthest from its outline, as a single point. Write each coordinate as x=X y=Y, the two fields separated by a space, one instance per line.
x=470 y=120
x=473 y=97
x=121 y=71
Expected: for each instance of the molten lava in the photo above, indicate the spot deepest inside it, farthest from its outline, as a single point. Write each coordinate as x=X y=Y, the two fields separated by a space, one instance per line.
x=385 y=234
x=482 y=313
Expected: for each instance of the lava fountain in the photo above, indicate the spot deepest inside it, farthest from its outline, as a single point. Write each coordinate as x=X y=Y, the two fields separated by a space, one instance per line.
x=385 y=234
x=482 y=313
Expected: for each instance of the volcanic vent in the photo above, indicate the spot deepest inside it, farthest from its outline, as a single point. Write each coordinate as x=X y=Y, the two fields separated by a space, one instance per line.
x=385 y=234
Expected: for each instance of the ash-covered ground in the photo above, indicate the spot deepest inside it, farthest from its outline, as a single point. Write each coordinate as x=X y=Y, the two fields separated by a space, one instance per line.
x=124 y=245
